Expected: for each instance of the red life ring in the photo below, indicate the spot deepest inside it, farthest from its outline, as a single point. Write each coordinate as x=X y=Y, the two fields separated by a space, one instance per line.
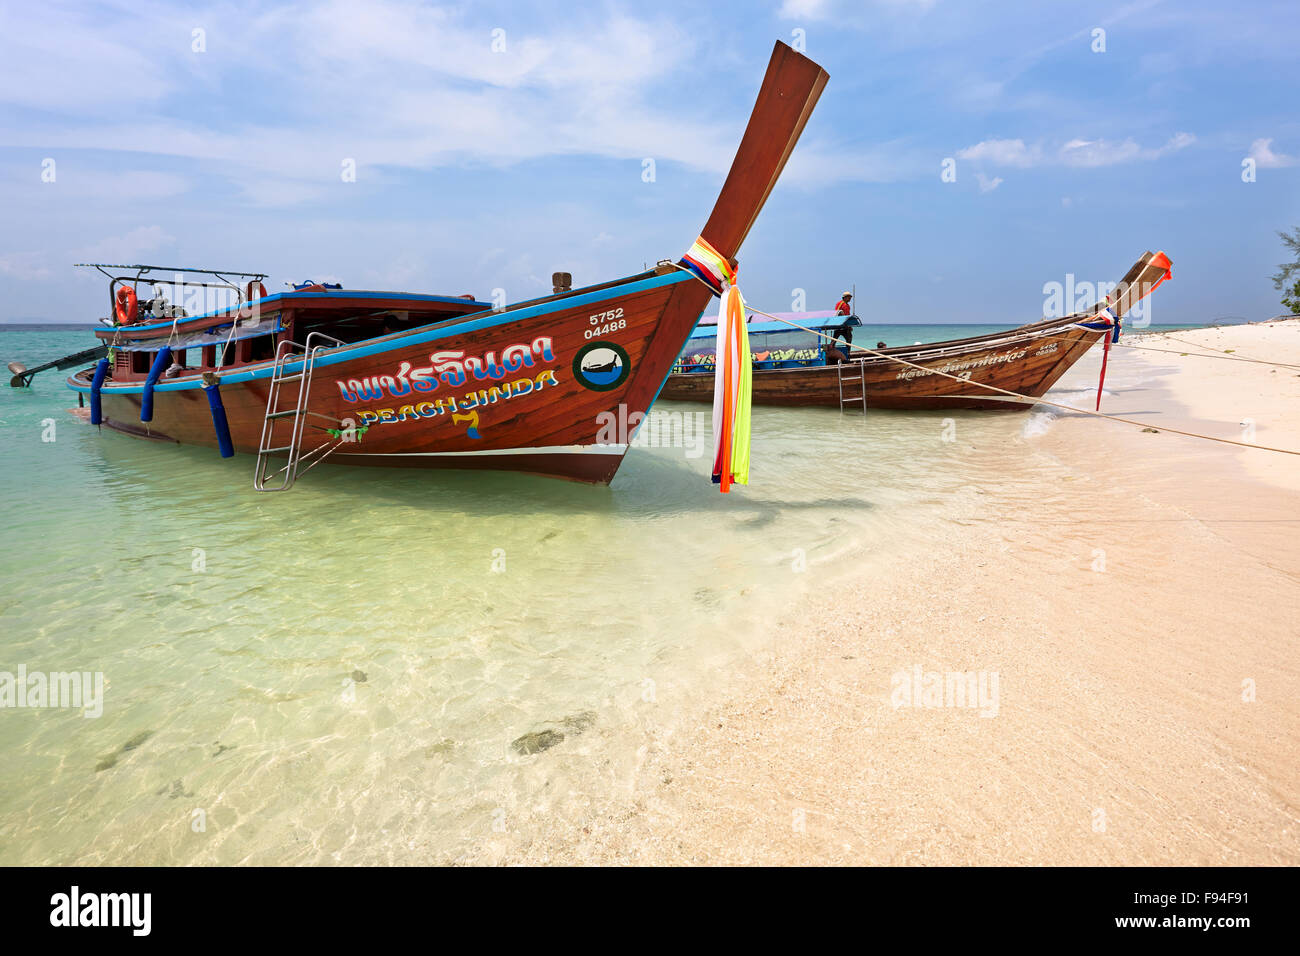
x=127 y=309
x=254 y=286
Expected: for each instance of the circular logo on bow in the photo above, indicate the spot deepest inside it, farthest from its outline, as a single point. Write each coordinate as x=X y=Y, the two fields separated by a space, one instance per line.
x=601 y=366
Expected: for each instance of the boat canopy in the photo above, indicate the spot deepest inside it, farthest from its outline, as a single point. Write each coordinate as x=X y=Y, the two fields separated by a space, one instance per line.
x=773 y=344
x=710 y=317
x=225 y=333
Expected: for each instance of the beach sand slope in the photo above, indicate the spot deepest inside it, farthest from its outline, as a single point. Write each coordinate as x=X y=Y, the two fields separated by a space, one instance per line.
x=1133 y=623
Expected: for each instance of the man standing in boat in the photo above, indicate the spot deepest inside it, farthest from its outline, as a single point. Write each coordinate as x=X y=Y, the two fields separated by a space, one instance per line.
x=844 y=306
x=840 y=343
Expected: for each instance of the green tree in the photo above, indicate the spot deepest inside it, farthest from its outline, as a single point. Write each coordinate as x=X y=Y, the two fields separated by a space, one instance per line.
x=1287 y=278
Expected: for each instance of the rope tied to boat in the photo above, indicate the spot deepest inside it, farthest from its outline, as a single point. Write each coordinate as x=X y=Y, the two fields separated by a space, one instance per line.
x=734 y=369
x=1029 y=400
x=1109 y=318
x=1106 y=321
x=1147 y=348
x=1220 y=354
x=708 y=265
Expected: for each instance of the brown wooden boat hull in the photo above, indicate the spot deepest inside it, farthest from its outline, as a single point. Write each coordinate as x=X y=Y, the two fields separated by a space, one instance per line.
x=546 y=387
x=974 y=372
x=1028 y=363
x=450 y=398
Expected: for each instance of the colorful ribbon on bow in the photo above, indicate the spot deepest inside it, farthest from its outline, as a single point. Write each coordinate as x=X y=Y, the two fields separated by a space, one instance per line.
x=708 y=265
x=1110 y=320
x=732 y=387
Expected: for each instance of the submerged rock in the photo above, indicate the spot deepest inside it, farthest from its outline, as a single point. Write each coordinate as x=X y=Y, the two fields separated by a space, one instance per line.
x=111 y=760
x=535 y=743
x=359 y=677
x=178 y=790
x=441 y=748
x=579 y=722
x=137 y=740
x=708 y=597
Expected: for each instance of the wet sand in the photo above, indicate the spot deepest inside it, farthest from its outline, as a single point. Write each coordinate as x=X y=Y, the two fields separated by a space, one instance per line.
x=1137 y=613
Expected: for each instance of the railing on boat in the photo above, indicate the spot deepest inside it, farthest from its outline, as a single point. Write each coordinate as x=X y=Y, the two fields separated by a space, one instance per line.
x=135 y=275
x=288 y=352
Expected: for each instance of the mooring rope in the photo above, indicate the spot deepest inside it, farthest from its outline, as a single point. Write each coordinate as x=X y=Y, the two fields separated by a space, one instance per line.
x=1221 y=357
x=1030 y=400
x=1148 y=348
x=1027 y=399
x=1222 y=353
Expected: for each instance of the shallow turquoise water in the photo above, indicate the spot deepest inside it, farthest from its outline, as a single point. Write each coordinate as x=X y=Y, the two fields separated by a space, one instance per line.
x=337 y=674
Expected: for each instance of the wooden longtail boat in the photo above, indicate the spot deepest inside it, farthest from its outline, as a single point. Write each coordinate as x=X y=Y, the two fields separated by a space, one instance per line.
x=1027 y=360
x=380 y=378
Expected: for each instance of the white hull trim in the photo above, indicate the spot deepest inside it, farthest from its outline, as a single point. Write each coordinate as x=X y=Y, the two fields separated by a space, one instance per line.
x=543 y=450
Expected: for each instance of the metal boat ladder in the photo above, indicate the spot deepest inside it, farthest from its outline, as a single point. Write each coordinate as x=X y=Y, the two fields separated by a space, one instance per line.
x=295 y=416
x=844 y=379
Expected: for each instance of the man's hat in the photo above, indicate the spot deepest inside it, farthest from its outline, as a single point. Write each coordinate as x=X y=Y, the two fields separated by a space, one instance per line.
x=847 y=295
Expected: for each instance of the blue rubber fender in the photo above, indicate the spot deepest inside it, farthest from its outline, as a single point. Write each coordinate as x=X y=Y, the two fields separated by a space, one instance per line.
x=96 y=409
x=160 y=362
x=212 y=387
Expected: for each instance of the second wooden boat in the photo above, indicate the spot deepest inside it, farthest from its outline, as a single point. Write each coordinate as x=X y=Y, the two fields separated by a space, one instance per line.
x=1027 y=360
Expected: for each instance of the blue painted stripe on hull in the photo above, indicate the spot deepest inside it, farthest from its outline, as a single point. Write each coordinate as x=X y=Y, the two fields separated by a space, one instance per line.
x=433 y=335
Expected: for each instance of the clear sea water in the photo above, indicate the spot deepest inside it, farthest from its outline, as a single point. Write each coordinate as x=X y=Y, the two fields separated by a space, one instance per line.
x=338 y=674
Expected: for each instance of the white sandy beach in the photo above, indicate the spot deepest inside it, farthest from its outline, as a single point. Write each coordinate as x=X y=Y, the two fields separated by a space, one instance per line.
x=1139 y=610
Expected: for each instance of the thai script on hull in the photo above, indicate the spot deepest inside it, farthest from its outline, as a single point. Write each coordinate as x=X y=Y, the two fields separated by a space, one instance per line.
x=956 y=368
x=450 y=368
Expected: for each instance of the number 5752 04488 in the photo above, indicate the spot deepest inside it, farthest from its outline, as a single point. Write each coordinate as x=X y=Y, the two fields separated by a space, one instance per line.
x=604 y=323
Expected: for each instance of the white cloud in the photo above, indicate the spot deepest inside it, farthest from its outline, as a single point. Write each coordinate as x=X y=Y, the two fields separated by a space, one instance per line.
x=448 y=98
x=1098 y=152
x=1001 y=152
x=56 y=59
x=1075 y=152
x=988 y=185
x=826 y=9
x=1261 y=151
x=1101 y=152
x=803 y=9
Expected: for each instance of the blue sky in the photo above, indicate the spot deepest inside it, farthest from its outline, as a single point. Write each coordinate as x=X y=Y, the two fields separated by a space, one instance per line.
x=479 y=169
